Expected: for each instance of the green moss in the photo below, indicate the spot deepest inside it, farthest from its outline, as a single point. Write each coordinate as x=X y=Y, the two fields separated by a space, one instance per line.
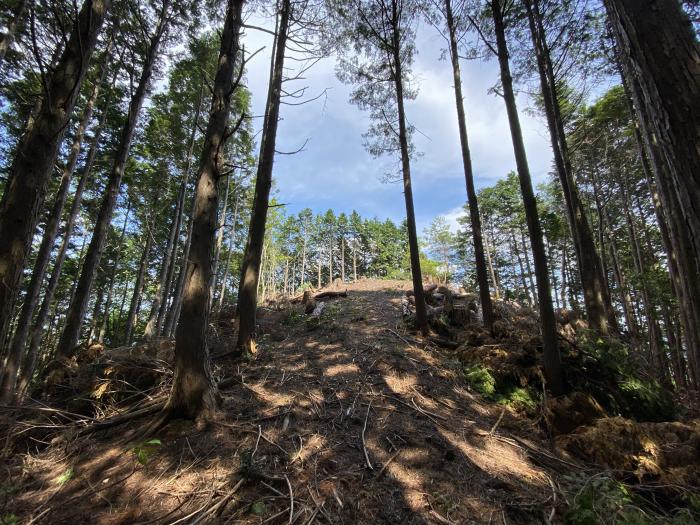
x=481 y=380
x=520 y=398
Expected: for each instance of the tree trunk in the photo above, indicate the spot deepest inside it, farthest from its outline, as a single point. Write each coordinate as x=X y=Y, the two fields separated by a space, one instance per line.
x=76 y=312
x=595 y=293
x=551 y=357
x=474 y=215
x=414 y=250
x=108 y=302
x=489 y=262
x=193 y=390
x=250 y=271
x=342 y=258
x=19 y=339
x=231 y=240
x=219 y=240
x=661 y=68
x=8 y=37
x=533 y=291
x=37 y=332
x=155 y=318
x=174 y=311
x=36 y=153
x=354 y=263
x=138 y=288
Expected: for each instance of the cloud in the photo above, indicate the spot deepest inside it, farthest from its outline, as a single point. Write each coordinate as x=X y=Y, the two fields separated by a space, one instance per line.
x=334 y=170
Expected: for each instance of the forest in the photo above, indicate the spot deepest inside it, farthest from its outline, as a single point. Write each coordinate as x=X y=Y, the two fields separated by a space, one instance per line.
x=184 y=340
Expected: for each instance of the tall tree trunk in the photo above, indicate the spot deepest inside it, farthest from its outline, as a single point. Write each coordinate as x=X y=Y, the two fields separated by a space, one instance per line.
x=250 y=271
x=37 y=331
x=36 y=153
x=528 y=266
x=330 y=261
x=489 y=262
x=231 y=240
x=318 y=279
x=474 y=215
x=414 y=250
x=174 y=311
x=551 y=357
x=342 y=258
x=31 y=300
x=661 y=67
x=515 y=248
x=138 y=288
x=8 y=37
x=155 y=317
x=76 y=312
x=193 y=390
x=656 y=349
x=595 y=292
x=219 y=240
x=115 y=267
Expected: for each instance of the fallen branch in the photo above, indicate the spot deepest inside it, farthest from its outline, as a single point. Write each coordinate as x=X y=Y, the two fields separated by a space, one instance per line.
x=364 y=443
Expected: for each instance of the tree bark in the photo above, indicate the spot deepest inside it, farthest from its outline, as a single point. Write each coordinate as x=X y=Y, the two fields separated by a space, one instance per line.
x=108 y=302
x=138 y=288
x=474 y=215
x=31 y=300
x=8 y=37
x=36 y=153
x=76 y=312
x=414 y=250
x=660 y=58
x=250 y=271
x=232 y=238
x=193 y=391
x=551 y=357
x=219 y=240
x=596 y=295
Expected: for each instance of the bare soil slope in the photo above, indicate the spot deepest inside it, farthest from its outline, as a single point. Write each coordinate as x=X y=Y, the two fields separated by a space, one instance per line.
x=345 y=419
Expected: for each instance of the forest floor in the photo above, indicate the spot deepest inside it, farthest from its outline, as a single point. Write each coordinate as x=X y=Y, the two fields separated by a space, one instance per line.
x=348 y=419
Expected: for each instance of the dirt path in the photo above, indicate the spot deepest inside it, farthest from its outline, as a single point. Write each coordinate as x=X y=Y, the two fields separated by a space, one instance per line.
x=342 y=421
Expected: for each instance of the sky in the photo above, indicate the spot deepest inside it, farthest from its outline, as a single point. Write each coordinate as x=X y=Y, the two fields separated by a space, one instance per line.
x=334 y=170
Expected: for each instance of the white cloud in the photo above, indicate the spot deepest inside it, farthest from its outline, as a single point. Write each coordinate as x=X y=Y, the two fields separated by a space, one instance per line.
x=335 y=171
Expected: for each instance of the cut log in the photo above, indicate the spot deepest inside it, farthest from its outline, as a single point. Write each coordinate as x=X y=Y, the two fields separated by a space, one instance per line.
x=427 y=290
x=330 y=295
x=309 y=302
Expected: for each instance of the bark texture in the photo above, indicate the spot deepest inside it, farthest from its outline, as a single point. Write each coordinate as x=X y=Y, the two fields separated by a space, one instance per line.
x=79 y=304
x=250 y=271
x=551 y=357
x=660 y=59
x=474 y=215
x=193 y=390
x=36 y=152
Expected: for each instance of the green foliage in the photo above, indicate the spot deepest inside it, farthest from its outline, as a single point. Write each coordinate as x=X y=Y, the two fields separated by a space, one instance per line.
x=647 y=400
x=520 y=398
x=481 y=380
x=601 y=499
x=9 y=519
x=65 y=477
x=293 y=317
x=612 y=379
x=145 y=451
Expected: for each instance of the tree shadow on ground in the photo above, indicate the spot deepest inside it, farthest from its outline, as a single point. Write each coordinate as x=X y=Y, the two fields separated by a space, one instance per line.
x=339 y=420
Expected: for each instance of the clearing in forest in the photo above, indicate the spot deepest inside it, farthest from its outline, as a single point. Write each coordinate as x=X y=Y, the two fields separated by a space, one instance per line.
x=343 y=419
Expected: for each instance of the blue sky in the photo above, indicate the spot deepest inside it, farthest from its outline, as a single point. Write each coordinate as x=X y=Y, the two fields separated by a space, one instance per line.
x=334 y=171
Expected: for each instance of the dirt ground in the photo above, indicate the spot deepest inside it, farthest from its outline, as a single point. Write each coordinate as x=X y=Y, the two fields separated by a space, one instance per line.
x=346 y=420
